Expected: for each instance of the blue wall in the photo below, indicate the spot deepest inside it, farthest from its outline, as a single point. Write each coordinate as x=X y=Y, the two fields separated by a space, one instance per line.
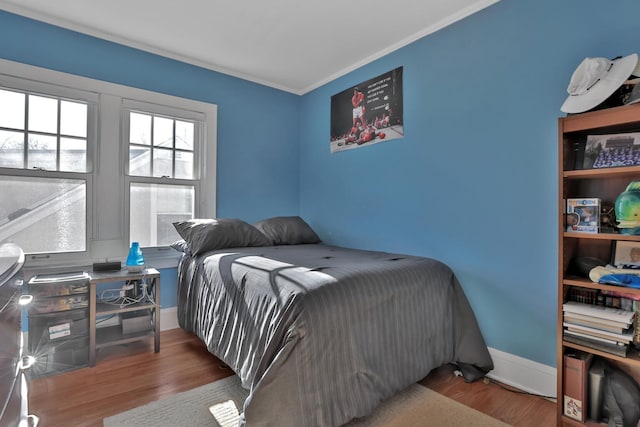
x=472 y=183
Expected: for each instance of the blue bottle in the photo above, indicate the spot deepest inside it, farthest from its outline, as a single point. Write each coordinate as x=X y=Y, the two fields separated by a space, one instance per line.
x=135 y=260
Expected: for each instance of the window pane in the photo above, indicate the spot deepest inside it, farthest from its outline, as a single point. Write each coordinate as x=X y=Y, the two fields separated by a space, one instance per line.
x=139 y=161
x=162 y=163
x=153 y=209
x=41 y=152
x=11 y=109
x=139 y=128
x=184 y=135
x=73 y=119
x=43 y=114
x=43 y=215
x=162 y=132
x=11 y=149
x=184 y=165
x=73 y=155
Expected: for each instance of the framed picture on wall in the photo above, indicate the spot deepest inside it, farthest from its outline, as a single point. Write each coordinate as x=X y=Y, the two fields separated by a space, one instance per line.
x=626 y=254
x=367 y=113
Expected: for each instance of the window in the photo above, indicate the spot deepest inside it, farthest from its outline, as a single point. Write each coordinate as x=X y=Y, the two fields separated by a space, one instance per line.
x=163 y=154
x=160 y=146
x=153 y=210
x=44 y=215
x=87 y=167
x=44 y=165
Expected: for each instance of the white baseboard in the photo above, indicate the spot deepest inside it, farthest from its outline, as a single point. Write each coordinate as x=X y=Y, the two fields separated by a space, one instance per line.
x=524 y=374
x=169 y=318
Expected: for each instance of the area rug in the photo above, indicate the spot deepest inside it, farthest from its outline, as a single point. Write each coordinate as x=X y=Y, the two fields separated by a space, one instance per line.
x=218 y=404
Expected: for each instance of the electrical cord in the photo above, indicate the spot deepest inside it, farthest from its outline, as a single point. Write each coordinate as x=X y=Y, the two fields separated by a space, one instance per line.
x=515 y=390
x=487 y=380
x=146 y=291
x=107 y=297
x=119 y=298
x=115 y=297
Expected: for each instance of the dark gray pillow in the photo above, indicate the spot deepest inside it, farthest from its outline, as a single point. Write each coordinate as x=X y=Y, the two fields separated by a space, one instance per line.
x=204 y=235
x=181 y=246
x=287 y=230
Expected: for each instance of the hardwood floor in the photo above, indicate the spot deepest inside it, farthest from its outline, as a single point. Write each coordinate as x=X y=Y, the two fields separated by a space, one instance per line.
x=131 y=376
x=494 y=399
x=124 y=377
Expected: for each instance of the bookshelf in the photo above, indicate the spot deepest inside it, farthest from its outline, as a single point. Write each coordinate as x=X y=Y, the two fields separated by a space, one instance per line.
x=606 y=184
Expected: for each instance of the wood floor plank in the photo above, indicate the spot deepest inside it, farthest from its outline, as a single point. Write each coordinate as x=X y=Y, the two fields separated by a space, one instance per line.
x=129 y=376
x=494 y=399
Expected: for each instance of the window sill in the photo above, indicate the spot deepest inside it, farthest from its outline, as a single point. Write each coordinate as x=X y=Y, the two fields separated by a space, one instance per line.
x=163 y=261
x=159 y=259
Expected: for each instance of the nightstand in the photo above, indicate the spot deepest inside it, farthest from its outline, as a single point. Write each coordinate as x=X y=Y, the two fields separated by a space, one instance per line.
x=137 y=308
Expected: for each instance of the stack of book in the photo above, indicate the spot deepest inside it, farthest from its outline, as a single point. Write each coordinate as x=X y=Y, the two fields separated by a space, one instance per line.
x=603 y=328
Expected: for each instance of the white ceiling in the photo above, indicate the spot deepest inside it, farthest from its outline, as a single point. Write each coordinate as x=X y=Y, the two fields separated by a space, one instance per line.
x=293 y=45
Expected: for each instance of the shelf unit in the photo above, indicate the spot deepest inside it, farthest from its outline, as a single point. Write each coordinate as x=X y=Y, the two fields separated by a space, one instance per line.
x=114 y=335
x=59 y=322
x=606 y=184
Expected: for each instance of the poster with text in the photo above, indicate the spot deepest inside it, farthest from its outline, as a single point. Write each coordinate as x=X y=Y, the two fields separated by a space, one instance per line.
x=368 y=113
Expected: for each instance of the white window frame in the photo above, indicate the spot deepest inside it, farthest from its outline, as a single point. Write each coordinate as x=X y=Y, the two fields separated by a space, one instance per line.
x=107 y=185
x=38 y=88
x=130 y=105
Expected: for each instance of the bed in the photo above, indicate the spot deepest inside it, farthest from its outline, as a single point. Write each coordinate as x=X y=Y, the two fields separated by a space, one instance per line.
x=319 y=334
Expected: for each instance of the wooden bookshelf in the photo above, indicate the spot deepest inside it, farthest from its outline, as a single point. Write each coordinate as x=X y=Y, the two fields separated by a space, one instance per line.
x=605 y=184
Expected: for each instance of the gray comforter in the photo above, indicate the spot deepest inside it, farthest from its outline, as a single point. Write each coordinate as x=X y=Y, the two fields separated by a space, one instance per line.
x=320 y=334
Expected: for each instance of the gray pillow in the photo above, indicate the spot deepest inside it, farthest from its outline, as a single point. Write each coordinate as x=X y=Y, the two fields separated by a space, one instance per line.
x=204 y=235
x=287 y=230
x=181 y=246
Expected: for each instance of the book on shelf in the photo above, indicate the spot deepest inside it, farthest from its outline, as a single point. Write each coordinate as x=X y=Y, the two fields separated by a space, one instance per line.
x=595 y=388
x=621 y=303
x=618 y=350
x=595 y=336
x=594 y=322
x=583 y=295
x=621 y=294
x=618 y=299
x=591 y=337
x=623 y=337
x=614 y=299
x=576 y=368
x=600 y=312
